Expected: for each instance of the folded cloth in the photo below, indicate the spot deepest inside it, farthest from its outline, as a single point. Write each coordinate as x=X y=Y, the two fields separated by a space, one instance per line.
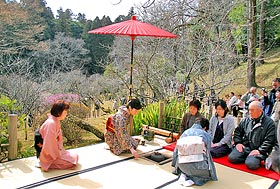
x=191 y=145
x=190 y=158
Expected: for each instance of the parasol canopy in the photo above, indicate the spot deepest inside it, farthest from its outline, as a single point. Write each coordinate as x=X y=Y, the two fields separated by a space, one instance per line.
x=133 y=28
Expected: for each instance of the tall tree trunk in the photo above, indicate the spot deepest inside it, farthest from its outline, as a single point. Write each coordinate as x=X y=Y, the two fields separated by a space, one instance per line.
x=252 y=33
x=261 y=35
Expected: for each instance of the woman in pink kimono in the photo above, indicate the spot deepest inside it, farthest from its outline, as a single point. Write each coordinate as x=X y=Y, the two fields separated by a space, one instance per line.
x=116 y=135
x=53 y=155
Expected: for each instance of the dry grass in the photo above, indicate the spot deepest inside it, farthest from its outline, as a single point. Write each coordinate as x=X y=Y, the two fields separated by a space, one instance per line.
x=264 y=75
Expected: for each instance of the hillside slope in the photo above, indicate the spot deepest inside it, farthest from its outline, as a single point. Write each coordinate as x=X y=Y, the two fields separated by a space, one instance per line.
x=264 y=75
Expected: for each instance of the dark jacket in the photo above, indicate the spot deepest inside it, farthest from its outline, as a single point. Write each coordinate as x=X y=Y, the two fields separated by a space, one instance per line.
x=257 y=134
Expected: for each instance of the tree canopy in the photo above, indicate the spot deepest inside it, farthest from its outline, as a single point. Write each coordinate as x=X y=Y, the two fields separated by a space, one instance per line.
x=44 y=54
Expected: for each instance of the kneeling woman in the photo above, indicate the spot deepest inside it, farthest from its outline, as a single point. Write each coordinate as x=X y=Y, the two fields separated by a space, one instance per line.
x=194 y=164
x=53 y=155
x=221 y=129
x=117 y=138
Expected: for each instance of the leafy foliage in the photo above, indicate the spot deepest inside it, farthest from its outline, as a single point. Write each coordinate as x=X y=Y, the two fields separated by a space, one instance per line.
x=173 y=112
x=8 y=106
x=237 y=16
x=150 y=115
x=18 y=28
x=98 y=45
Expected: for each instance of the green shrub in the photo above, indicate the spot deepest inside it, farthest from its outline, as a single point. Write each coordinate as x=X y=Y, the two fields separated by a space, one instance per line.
x=173 y=112
x=147 y=116
x=8 y=106
x=30 y=151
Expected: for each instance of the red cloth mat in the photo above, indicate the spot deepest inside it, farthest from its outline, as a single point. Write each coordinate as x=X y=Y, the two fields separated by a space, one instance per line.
x=170 y=147
x=242 y=167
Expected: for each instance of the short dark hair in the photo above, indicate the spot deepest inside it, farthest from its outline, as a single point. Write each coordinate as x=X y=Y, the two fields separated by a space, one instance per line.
x=204 y=122
x=278 y=89
x=134 y=103
x=58 y=107
x=277 y=79
x=196 y=103
x=223 y=104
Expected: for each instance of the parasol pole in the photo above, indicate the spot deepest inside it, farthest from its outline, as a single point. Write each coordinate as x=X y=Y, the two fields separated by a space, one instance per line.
x=131 y=126
x=131 y=67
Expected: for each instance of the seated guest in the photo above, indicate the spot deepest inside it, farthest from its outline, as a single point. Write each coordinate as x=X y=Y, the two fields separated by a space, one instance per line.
x=254 y=138
x=192 y=116
x=239 y=105
x=232 y=100
x=194 y=163
x=275 y=155
x=118 y=138
x=249 y=97
x=221 y=128
x=53 y=155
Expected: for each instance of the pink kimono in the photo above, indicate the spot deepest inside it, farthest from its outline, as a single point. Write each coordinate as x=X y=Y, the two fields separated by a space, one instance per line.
x=53 y=156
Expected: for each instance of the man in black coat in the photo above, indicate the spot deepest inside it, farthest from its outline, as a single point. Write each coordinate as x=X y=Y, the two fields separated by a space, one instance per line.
x=254 y=138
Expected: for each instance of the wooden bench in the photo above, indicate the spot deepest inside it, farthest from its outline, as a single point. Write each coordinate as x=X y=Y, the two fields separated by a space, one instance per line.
x=160 y=131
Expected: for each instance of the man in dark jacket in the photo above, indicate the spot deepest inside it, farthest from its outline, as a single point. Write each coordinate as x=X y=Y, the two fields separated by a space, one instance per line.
x=270 y=99
x=254 y=138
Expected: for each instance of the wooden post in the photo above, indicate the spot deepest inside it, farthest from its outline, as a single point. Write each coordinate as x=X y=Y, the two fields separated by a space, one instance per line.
x=12 y=132
x=160 y=115
x=131 y=126
x=26 y=125
x=91 y=108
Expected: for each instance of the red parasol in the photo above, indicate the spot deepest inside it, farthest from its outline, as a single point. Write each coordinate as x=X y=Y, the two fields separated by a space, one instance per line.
x=133 y=28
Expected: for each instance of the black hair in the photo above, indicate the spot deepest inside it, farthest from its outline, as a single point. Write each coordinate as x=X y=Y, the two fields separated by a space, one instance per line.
x=278 y=89
x=196 y=103
x=277 y=79
x=58 y=107
x=264 y=90
x=134 y=103
x=223 y=104
x=204 y=123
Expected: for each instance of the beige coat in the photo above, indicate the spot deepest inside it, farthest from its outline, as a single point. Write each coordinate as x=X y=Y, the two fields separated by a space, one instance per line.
x=276 y=112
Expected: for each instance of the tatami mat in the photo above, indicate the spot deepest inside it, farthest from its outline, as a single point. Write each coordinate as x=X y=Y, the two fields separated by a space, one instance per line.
x=229 y=178
x=96 y=170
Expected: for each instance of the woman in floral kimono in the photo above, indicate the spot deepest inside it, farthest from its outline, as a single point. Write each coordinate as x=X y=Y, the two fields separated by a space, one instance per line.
x=196 y=172
x=53 y=155
x=117 y=137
